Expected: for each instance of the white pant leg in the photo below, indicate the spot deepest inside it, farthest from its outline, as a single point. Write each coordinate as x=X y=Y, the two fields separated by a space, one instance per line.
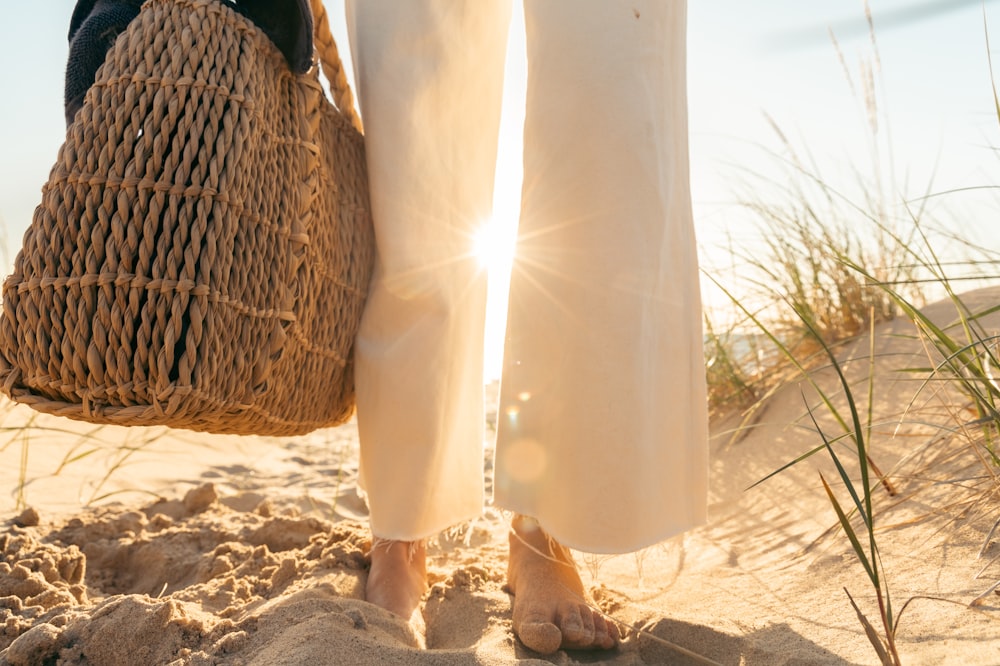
x=429 y=76
x=603 y=423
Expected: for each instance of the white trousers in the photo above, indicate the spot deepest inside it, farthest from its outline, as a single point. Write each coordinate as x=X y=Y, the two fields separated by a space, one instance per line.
x=602 y=429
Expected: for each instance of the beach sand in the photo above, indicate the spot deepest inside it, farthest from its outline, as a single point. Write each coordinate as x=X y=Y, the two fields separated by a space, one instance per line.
x=227 y=550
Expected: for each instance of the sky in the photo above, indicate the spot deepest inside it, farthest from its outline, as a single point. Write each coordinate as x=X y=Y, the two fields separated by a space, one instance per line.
x=749 y=63
x=934 y=100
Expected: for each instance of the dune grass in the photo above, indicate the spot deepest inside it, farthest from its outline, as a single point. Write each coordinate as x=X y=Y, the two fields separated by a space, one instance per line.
x=830 y=269
x=824 y=280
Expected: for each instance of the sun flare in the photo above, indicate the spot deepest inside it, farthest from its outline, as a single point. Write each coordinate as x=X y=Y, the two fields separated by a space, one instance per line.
x=493 y=245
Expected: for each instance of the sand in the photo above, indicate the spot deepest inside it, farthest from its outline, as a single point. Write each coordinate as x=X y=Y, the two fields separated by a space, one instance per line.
x=224 y=550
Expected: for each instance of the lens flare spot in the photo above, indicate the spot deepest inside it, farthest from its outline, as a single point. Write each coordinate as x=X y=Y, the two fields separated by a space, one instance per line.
x=525 y=460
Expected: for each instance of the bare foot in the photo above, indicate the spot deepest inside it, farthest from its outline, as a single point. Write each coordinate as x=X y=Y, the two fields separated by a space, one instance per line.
x=397 y=579
x=551 y=609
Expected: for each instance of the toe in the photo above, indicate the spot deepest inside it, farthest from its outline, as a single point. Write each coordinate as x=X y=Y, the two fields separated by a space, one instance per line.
x=576 y=621
x=589 y=626
x=539 y=634
x=570 y=623
x=605 y=632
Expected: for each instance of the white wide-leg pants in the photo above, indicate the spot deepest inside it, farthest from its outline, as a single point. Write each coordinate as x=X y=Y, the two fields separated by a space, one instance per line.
x=602 y=430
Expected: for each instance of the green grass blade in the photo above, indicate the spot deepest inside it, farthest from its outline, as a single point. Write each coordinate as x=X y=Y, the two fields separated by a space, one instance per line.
x=861 y=506
x=849 y=531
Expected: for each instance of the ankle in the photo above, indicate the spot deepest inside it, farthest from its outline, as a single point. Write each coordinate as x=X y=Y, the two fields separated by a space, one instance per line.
x=390 y=554
x=397 y=578
x=527 y=534
x=534 y=553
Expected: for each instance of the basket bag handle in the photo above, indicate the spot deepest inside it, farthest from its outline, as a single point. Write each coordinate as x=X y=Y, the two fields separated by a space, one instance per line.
x=333 y=68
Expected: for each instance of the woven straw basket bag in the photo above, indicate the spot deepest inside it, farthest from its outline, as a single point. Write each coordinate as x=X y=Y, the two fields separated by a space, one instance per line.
x=203 y=248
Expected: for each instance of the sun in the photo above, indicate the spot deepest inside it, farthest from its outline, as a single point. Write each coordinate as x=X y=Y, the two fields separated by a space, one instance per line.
x=493 y=245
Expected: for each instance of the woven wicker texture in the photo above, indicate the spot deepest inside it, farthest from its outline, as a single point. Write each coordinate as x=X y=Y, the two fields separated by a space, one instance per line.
x=203 y=247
